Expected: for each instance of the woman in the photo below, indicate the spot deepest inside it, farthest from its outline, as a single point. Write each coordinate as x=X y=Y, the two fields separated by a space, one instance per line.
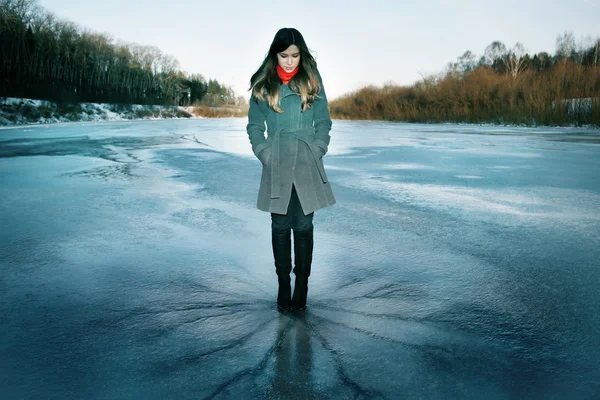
x=288 y=96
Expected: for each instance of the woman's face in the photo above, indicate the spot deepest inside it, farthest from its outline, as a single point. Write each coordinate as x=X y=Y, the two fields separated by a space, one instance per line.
x=289 y=58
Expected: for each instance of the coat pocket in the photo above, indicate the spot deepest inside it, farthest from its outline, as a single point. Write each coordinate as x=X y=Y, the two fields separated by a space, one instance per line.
x=319 y=151
x=265 y=156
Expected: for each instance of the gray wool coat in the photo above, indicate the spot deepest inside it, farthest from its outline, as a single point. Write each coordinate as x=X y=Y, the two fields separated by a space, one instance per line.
x=292 y=152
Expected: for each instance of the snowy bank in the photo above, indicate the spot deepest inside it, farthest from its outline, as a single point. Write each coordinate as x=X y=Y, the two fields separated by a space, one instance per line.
x=18 y=111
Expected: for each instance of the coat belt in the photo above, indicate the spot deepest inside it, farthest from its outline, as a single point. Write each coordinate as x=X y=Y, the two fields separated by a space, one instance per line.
x=304 y=136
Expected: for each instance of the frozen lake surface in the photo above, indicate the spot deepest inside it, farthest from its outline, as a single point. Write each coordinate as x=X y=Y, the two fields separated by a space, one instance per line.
x=459 y=262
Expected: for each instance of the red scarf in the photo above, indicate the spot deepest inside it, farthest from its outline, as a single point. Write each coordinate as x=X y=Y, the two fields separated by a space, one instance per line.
x=284 y=75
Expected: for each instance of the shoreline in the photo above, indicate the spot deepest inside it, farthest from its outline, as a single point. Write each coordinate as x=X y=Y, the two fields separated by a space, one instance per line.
x=482 y=125
x=20 y=112
x=50 y=113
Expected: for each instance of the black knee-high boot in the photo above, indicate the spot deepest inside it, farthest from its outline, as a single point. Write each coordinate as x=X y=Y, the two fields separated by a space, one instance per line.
x=282 y=253
x=303 y=249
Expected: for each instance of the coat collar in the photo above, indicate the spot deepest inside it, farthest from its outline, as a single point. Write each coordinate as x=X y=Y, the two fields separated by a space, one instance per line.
x=285 y=91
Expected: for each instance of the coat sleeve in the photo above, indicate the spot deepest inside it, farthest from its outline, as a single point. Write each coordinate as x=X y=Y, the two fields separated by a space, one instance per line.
x=256 y=131
x=322 y=120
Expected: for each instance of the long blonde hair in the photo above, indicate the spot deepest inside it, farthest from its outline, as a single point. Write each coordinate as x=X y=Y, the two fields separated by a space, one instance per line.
x=265 y=82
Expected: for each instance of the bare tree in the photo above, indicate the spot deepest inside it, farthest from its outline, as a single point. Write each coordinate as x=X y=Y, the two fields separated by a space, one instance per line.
x=467 y=62
x=515 y=60
x=494 y=51
x=565 y=45
x=588 y=50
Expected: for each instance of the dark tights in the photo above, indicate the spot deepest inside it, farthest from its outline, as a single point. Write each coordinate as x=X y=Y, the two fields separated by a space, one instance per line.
x=294 y=219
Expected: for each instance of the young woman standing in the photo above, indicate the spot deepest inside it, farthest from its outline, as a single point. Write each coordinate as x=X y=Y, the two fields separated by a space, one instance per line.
x=289 y=101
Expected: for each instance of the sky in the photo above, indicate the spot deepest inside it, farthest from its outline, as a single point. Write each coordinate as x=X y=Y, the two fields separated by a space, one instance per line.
x=355 y=43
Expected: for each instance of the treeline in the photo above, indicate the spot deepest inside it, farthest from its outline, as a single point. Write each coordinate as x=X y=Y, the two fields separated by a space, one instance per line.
x=504 y=86
x=42 y=57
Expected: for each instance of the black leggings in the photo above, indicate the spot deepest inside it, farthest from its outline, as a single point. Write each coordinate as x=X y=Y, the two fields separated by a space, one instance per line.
x=294 y=219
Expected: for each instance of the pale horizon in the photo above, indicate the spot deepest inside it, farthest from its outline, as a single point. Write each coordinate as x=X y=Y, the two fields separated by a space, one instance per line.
x=354 y=45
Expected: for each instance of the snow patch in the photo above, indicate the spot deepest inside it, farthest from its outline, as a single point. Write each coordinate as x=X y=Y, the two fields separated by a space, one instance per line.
x=20 y=111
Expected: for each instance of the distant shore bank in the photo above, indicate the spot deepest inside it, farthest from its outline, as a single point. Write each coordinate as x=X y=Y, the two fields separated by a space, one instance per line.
x=21 y=111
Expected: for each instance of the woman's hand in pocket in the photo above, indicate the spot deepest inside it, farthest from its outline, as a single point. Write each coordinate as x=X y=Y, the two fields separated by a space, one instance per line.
x=265 y=156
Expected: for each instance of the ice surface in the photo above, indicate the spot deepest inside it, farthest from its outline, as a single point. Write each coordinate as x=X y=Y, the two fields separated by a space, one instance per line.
x=459 y=262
